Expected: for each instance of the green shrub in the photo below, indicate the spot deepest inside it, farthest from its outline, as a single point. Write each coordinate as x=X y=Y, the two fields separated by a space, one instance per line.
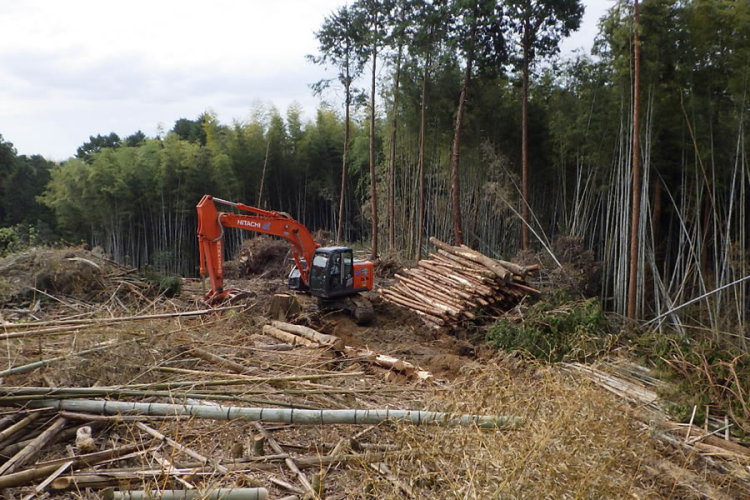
x=169 y=286
x=554 y=331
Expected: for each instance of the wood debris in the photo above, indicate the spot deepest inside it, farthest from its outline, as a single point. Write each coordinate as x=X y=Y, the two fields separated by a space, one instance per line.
x=456 y=282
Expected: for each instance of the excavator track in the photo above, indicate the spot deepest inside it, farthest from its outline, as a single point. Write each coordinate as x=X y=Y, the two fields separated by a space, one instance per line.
x=357 y=306
x=361 y=309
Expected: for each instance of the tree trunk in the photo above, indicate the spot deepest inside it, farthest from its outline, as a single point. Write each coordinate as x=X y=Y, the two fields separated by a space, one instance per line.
x=392 y=159
x=344 y=164
x=373 y=179
x=458 y=236
x=420 y=163
x=263 y=175
x=525 y=142
x=635 y=209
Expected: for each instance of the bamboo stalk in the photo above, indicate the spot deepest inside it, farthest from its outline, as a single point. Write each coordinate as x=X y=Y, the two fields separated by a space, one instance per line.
x=289 y=460
x=213 y=358
x=99 y=321
x=38 y=364
x=26 y=476
x=34 y=447
x=208 y=494
x=282 y=415
x=14 y=429
x=174 y=444
x=55 y=474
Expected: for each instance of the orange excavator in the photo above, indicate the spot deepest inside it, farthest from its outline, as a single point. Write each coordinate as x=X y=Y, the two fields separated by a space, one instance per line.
x=329 y=273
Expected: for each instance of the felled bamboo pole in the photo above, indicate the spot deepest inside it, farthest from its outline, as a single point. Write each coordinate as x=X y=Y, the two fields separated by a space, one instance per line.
x=54 y=475
x=213 y=358
x=289 y=461
x=208 y=494
x=99 y=321
x=282 y=415
x=118 y=477
x=310 y=334
x=18 y=426
x=26 y=476
x=38 y=364
x=174 y=444
x=31 y=450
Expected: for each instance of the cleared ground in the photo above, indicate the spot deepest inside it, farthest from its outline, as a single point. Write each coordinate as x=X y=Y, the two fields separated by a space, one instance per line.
x=577 y=440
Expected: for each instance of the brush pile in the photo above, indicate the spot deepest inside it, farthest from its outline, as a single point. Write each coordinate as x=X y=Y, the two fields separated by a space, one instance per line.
x=455 y=283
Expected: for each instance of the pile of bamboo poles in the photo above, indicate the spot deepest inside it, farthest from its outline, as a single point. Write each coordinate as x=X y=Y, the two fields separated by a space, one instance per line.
x=456 y=282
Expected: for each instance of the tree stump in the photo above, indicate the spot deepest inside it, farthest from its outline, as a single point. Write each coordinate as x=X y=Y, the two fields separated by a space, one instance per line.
x=283 y=307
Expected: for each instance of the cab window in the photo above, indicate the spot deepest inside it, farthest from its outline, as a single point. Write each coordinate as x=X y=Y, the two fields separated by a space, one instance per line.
x=320 y=261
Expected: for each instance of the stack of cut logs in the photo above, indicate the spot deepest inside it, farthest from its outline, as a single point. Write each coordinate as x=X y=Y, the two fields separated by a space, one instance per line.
x=455 y=283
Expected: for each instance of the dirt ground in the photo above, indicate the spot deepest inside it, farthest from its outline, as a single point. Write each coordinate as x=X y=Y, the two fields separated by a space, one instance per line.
x=117 y=341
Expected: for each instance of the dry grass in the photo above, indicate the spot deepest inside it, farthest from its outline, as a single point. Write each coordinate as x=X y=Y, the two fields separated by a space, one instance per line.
x=578 y=441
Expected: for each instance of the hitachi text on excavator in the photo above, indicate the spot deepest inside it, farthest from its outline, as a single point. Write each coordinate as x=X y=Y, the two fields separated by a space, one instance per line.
x=329 y=273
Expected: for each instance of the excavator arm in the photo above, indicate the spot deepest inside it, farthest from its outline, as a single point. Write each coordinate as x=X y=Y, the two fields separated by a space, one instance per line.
x=211 y=224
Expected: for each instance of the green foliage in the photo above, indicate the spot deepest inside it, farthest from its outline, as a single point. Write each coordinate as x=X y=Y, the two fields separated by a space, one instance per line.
x=95 y=144
x=555 y=330
x=702 y=372
x=20 y=237
x=162 y=284
x=9 y=241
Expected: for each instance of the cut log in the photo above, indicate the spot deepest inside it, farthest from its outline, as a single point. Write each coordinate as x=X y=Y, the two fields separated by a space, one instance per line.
x=389 y=362
x=287 y=337
x=310 y=334
x=474 y=256
x=456 y=282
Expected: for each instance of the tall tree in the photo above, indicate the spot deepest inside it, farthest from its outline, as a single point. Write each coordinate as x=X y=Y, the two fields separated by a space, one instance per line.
x=539 y=25
x=478 y=38
x=375 y=13
x=429 y=21
x=340 y=46
x=635 y=208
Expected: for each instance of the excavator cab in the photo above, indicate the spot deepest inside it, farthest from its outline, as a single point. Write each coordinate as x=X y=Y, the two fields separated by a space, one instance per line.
x=331 y=275
x=334 y=273
x=335 y=279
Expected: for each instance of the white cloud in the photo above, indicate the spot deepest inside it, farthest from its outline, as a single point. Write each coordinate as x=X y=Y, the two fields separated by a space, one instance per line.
x=75 y=68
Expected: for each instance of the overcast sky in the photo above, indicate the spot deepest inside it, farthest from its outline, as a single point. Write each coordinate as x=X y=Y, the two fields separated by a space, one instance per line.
x=75 y=68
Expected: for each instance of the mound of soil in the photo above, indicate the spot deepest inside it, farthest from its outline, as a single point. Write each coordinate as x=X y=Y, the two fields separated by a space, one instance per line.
x=72 y=272
x=264 y=256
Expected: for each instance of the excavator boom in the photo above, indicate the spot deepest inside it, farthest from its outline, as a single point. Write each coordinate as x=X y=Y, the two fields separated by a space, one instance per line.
x=211 y=224
x=329 y=273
